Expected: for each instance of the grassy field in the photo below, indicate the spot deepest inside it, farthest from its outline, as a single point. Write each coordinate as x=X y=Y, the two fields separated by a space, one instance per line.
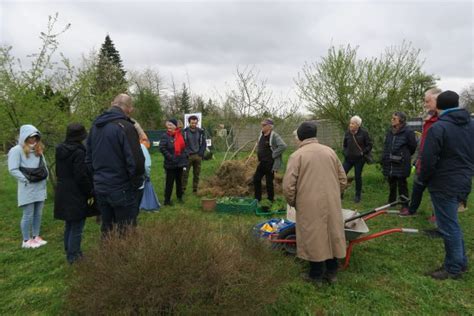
x=386 y=275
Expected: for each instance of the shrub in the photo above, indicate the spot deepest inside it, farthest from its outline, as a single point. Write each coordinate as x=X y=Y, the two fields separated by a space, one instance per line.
x=181 y=265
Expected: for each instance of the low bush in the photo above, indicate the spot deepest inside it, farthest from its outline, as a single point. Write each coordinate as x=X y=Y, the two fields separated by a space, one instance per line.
x=180 y=265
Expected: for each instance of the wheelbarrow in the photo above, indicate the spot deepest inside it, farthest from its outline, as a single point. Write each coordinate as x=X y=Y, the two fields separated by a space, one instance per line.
x=282 y=234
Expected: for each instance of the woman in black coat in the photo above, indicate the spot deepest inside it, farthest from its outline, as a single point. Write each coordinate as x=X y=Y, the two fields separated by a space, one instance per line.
x=173 y=148
x=400 y=144
x=73 y=189
x=357 y=143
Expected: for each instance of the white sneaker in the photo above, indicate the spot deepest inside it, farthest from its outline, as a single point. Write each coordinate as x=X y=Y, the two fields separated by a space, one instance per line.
x=40 y=241
x=30 y=243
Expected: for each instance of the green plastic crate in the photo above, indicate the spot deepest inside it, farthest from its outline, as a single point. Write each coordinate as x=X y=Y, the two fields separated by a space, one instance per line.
x=259 y=212
x=236 y=205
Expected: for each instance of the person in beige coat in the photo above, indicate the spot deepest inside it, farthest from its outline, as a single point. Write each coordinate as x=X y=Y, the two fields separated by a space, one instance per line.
x=312 y=184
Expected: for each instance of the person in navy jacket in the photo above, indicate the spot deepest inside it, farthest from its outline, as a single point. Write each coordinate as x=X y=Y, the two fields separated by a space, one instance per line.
x=447 y=168
x=116 y=159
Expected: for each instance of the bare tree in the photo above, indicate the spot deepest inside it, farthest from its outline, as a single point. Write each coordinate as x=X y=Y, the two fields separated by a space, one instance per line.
x=250 y=96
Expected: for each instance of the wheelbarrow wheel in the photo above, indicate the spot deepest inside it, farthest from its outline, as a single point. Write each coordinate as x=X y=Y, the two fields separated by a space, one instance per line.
x=289 y=234
x=290 y=248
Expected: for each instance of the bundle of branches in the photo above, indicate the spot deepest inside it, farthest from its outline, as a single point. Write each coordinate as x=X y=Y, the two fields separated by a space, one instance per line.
x=235 y=178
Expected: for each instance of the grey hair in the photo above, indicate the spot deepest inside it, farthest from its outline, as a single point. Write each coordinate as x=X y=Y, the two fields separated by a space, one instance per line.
x=356 y=119
x=433 y=92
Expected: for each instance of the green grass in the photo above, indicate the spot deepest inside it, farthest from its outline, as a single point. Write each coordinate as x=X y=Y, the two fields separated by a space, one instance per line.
x=386 y=275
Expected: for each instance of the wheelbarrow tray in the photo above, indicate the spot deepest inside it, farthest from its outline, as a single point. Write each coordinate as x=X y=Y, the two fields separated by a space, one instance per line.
x=356 y=228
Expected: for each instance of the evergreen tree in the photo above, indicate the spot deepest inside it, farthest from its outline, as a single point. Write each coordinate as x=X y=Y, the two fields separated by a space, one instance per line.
x=200 y=106
x=184 y=101
x=110 y=79
x=109 y=52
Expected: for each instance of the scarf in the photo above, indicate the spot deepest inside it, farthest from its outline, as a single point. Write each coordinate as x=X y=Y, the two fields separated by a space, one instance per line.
x=178 y=141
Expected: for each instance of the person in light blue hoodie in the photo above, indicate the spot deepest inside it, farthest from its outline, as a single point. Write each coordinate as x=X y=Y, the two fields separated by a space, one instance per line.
x=28 y=153
x=144 y=142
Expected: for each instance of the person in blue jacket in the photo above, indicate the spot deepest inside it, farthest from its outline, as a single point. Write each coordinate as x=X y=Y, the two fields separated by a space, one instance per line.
x=447 y=168
x=116 y=159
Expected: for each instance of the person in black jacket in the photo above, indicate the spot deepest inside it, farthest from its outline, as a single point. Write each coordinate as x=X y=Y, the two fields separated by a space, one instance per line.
x=173 y=148
x=400 y=144
x=73 y=189
x=195 y=140
x=116 y=159
x=447 y=168
x=357 y=143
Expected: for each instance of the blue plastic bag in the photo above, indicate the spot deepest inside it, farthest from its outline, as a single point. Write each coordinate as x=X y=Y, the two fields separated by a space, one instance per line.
x=149 y=200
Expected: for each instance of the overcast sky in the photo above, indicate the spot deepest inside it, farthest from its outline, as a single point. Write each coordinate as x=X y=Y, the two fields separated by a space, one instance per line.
x=203 y=41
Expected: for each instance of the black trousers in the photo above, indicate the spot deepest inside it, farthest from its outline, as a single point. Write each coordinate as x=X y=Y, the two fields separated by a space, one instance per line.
x=264 y=168
x=172 y=176
x=316 y=268
x=358 y=166
x=401 y=184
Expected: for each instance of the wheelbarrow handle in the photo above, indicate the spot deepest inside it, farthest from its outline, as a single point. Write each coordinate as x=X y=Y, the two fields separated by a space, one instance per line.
x=359 y=216
x=401 y=199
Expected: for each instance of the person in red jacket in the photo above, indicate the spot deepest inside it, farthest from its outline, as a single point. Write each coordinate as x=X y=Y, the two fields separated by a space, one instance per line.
x=430 y=118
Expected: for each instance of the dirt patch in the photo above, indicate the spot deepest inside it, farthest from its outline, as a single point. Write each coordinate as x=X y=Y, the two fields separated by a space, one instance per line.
x=235 y=178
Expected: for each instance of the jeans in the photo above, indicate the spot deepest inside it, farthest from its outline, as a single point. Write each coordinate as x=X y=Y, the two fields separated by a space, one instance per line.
x=264 y=168
x=172 y=176
x=72 y=239
x=117 y=208
x=416 y=195
x=402 y=185
x=316 y=267
x=358 y=166
x=446 y=211
x=31 y=219
x=194 y=161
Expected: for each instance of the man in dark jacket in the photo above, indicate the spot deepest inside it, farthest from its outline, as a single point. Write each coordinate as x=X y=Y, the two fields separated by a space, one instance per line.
x=117 y=162
x=195 y=140
x=270 y=148
x=447 y=167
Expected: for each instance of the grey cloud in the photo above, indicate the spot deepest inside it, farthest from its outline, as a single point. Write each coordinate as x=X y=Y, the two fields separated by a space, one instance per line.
x=209 y=39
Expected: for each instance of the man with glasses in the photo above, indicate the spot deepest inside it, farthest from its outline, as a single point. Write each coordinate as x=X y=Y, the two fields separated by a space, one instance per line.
x=270 y=147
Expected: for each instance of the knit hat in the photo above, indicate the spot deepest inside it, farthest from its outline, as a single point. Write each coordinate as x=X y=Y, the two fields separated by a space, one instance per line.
x=447 y=100
x=173 y=121
x=306 y=130
x=267 y=121
x=75 y=132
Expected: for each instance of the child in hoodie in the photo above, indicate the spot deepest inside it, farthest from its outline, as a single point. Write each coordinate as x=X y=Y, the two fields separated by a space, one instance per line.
x=28 y=153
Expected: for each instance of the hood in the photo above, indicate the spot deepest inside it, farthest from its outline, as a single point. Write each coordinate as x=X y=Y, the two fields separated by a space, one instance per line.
x=456 y=116
x=115 y=113
x=65 y=150
x=25 y=131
